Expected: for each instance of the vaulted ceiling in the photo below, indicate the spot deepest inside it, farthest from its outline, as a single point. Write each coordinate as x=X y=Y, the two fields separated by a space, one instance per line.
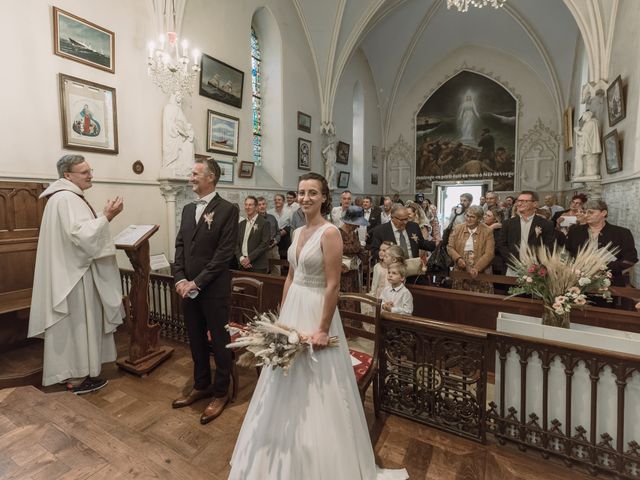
x=403 y=39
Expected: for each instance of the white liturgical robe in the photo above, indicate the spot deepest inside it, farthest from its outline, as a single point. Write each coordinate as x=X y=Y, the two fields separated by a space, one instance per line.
x=77 y=296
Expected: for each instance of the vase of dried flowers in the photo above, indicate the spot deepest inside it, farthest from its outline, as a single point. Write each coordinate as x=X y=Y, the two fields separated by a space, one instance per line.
x=561 y=281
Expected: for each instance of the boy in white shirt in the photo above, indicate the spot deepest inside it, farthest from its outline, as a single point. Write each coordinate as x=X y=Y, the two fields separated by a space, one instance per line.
x=396 y=298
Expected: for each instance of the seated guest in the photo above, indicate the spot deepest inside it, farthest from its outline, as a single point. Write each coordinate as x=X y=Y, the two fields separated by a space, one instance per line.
x=524 y=229
x=599 y=231
x=254 y=238
x=338 y=212
x=493 y=220
x=472 y=247
x=396 y=298
x=400 y=231
x=566 y=218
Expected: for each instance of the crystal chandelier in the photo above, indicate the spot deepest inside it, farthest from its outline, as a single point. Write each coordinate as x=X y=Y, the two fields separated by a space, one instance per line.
x=168 y=65
x=463 y=5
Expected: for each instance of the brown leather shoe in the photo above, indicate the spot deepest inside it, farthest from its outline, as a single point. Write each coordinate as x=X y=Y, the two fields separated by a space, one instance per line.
x=193 y=396
x=214 y=409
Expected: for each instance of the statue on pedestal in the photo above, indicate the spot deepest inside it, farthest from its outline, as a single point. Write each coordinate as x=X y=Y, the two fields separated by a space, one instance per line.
x=588 y=148
x=177 y=141
x=329 y=154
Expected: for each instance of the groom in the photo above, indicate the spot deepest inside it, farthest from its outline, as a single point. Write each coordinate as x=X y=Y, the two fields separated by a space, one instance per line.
x=204 y=247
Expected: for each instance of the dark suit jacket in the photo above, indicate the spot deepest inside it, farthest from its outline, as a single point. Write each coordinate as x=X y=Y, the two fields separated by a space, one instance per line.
x=203 y=251
x=618 y=236
x=384 y=232
x=257 y=244
x=509 y=243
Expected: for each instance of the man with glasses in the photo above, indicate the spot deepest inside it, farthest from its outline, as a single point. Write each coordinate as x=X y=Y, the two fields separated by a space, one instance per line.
x=77 y=295
x=601 y=232
x=401 y=232
x=526 y=228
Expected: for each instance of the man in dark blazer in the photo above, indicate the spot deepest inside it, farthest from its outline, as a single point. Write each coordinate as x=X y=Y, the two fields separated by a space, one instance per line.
x=537 y=229
x=372 y=215
x=204 y=246
x=402 y=232
x=620 y=238
x=254 y=239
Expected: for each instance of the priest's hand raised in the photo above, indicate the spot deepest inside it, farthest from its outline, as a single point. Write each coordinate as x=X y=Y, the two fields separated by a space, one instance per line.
x=113 y=208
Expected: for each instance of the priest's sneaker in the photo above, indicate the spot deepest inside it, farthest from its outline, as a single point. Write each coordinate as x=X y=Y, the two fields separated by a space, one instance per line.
x=193 y=396
x=89 y=385
x=214 y=409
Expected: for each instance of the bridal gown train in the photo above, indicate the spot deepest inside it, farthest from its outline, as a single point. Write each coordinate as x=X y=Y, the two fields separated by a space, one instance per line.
x=309 y=424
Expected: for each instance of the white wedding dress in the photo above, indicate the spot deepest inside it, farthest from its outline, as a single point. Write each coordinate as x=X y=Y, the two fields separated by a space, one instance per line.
x=309 y=424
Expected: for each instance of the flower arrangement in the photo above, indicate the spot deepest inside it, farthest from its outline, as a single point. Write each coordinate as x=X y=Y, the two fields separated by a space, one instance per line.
x=561 y=281
x=269 y=343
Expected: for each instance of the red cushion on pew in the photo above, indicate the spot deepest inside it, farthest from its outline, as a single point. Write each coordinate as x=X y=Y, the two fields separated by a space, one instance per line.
x=365 y=363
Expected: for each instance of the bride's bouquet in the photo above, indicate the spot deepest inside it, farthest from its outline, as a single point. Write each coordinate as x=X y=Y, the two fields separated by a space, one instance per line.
x=269 y=343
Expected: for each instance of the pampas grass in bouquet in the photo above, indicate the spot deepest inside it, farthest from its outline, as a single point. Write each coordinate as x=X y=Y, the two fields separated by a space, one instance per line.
x=267 y=342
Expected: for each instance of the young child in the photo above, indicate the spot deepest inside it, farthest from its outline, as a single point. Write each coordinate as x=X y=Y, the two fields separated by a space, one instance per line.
x=389 y=253
x=396 y=298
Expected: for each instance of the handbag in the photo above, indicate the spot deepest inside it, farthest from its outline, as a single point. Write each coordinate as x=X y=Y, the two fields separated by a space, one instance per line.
x=439 y=261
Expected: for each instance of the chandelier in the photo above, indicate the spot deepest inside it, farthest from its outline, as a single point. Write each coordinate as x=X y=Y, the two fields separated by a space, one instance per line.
x=463 y=5
x=169 y=65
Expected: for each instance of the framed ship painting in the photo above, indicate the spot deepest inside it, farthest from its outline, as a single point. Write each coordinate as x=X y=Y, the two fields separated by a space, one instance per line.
x=222 y=133
x=89 y=118
x=220 y=81
x=82 y=41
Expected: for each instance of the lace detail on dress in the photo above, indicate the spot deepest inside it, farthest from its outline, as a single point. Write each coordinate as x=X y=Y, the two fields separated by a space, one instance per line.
x=313 y=281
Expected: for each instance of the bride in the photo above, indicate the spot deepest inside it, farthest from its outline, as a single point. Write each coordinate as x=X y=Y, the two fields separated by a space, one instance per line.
x=309 y=424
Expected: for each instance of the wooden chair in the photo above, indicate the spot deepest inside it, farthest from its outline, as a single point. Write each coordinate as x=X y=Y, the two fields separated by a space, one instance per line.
x=354 y=324
x=246 y=299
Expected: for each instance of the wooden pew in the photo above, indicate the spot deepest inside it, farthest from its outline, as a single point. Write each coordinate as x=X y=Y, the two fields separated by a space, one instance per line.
x=20 y=217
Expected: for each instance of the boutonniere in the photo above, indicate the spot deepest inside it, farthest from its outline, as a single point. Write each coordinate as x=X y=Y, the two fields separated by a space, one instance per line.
x=208 y=217
x=255 y=227
x=538 y=231
x=414 y=237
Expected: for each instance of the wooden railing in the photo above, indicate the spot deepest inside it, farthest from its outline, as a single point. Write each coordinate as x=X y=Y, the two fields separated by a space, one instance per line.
x=438 y=372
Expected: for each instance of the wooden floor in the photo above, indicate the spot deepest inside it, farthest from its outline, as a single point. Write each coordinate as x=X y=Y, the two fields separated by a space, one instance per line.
x=129 y=430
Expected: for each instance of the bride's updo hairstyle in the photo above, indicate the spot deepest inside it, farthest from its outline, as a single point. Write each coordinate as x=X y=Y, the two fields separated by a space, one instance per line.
x=324 y=187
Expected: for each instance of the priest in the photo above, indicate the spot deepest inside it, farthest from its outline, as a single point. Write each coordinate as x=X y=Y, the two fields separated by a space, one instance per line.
x=77 y=297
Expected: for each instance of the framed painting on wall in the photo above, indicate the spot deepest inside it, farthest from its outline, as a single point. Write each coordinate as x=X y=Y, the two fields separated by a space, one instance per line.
x=89 y=117
x=342 y=154
x=611 y=147
x=220 y=81
x=374 y=178
x=222 y=133
x=615 y=102
x=246 y=169
x=343 y=179
x=567 y=125
x=304 y=154
x=226 y=172
x=374 y=157
x=82 y=41
x=304 y=122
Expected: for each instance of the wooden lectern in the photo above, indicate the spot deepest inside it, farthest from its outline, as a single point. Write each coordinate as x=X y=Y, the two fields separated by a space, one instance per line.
x=145 y=353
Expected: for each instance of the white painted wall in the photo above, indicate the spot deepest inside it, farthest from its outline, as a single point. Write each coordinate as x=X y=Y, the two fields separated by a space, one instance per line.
x=358 y=70
x=535 y=99
x=30 y=120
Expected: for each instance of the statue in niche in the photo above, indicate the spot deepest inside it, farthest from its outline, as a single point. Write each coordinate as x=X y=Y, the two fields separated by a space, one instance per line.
x=588 y=147
x=177 y=140
x=329 y=154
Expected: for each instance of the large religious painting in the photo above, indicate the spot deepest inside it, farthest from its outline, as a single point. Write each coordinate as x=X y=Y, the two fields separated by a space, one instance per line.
x=466 y=130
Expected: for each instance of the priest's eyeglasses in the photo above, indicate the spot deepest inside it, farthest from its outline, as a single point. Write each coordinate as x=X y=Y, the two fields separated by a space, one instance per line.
x=85 y=172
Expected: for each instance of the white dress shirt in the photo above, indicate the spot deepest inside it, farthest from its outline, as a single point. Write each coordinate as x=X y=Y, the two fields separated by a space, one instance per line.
x=336 y=216
x=247 y=231
x=283 y=217
x=202 y=203
x=525 y=228
x=401 y=298
x=468 y=246
x=385 y=217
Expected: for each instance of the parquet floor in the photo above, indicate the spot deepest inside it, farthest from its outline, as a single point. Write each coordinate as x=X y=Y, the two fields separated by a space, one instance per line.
x=129 y=430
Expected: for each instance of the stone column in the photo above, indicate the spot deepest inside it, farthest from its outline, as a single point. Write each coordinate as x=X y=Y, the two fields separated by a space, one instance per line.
x=170 y=188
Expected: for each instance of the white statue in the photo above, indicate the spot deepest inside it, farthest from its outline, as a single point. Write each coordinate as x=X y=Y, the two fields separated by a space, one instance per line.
x=329 y=154
x=588 y=147
x=177 y=140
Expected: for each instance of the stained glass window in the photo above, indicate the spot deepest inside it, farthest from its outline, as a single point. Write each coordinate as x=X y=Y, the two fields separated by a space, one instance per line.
x=256 y=101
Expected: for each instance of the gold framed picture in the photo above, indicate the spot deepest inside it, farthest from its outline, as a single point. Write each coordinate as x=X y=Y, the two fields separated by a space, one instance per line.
x=567 y=128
